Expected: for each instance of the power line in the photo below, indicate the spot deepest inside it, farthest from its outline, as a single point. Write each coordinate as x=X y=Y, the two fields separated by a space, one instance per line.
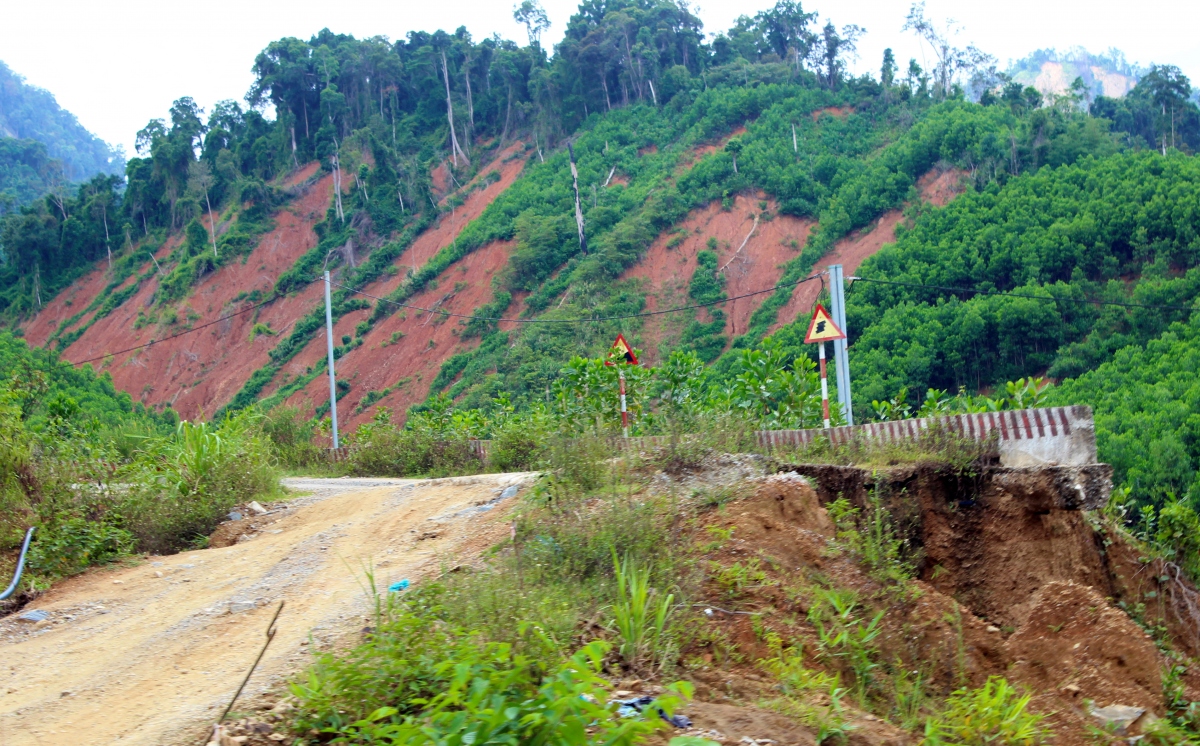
x=581 y=320
x=153 y=342
x=1057 y=299
x=275 y=297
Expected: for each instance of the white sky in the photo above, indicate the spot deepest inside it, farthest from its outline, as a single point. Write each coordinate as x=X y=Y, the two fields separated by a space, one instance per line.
x=116 y=64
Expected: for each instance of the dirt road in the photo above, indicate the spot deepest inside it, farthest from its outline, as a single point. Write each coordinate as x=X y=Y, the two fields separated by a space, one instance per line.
x=150 y=654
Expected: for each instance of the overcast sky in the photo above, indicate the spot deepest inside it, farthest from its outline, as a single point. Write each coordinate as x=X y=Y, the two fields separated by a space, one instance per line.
x=119 y=63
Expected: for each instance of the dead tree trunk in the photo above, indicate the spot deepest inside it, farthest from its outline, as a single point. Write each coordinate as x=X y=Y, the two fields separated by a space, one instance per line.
x=470 y=102
x=455 y=150
x=212 y=228
x=578 y=209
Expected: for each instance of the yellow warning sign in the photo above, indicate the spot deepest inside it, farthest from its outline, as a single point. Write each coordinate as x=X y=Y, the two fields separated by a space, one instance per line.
x=822 y=328
x=621 y=351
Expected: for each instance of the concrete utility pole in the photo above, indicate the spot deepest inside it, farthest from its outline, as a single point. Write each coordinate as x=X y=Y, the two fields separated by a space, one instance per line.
x=329 y=348
x=841 y=360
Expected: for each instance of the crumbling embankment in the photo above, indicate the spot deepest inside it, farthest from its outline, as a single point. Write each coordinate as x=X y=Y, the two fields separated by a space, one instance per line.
x=1065 y=597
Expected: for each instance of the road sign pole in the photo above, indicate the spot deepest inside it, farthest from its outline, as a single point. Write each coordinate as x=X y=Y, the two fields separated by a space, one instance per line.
x=841 y=359
x=329 y=348
x=824 y=385
x=624 y=412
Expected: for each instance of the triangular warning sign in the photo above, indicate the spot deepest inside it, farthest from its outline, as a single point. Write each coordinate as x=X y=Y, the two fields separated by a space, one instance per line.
x=822 y=328
x=621 y=351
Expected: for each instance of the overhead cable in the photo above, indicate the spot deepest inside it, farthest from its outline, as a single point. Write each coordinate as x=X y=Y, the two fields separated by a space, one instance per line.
x=579 y=320
x=1055 y=298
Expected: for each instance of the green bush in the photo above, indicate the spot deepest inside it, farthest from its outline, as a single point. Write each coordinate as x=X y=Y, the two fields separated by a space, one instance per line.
x=995 y=714
x=381 y=448
x=412 y=683
x=291 y=437
x=182 y=486
x=73 y=545
x=1179 y=536
x=518 y=447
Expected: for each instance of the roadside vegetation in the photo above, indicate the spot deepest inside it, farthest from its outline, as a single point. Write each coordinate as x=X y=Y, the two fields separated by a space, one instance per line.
x=629 y=572
x=102 y=478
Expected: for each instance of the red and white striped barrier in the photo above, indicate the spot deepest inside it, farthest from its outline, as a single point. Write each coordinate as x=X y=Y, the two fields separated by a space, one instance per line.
x=1025 y=437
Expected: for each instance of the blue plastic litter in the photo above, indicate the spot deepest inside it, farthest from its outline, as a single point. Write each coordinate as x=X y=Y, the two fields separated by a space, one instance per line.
x=398 y=586
x=634 y=707
x=235 y=516
x=37 y=615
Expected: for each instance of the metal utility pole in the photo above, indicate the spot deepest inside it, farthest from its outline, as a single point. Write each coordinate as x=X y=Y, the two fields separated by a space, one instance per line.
x=329 y=347
x=837 y=307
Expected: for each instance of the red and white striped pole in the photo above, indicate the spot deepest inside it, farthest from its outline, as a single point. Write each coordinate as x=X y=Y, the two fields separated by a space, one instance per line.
x=624 y=412
x=824 y=385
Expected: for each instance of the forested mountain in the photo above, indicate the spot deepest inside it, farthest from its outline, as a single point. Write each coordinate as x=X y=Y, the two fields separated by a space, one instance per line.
x=434 y=172
x=43 y=146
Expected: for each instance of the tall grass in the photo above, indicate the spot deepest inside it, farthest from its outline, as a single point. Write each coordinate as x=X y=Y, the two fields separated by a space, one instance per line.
x=995 y=714
x=179 y=487
x=641 y=617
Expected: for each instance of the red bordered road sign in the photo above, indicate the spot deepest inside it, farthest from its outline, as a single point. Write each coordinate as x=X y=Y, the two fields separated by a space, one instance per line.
x=822 y=328
x=621 y=349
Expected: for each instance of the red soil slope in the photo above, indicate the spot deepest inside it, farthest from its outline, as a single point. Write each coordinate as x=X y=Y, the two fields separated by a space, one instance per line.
x=509 y=165
x=80 y=295
x=198 y=373
x=427 y=341
x=936 y=188
x=667 y=269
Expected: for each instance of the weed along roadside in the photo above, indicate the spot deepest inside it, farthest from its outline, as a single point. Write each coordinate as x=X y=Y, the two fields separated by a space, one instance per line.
x=793 y=597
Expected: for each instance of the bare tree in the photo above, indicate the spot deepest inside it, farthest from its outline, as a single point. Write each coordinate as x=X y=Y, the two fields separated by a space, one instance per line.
x=531 y=15
x=951 y=60
x=200 y=180
x=455 y=150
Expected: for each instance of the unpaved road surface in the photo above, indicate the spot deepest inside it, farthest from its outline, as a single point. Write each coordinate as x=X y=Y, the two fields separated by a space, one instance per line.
x=150 y=654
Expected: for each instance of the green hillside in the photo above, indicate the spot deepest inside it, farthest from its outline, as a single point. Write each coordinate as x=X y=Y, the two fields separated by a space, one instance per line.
x=43 y=146
x=1083 y=202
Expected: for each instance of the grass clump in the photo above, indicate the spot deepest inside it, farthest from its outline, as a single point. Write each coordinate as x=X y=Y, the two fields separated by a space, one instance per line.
x=182 y=485
x=641 y=618
x=995 y=714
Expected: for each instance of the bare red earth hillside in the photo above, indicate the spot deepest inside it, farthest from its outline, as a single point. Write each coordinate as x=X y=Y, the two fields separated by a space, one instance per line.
x=753 y=244
x=751 y=252
x=936 y=187
x=198 y=373
x=405 y=351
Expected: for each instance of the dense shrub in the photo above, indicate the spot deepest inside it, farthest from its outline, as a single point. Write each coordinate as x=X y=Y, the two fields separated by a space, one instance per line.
x=181 y=486
x=381 y=448
x=416 y=684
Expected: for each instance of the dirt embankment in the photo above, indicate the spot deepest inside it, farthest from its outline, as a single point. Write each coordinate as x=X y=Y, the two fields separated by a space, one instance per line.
x=151 y=653
x=1013 y=580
